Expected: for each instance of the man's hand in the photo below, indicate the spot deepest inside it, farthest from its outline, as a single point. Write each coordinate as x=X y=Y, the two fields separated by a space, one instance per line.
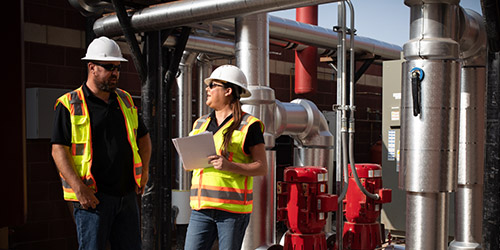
x=86 y=196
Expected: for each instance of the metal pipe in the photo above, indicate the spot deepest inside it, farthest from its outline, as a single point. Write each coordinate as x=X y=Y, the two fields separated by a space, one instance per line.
x=306 y=60
x=430 y=112
x=341 y=129
x=184 y=110
x=214 y=46
x=252 y=56
x=204 y=66
x=301 y=33
x=469 y=195
x=178 y=13
x=352 y=107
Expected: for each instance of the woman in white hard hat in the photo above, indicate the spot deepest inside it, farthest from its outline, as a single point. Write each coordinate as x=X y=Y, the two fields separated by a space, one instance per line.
x=222 y=195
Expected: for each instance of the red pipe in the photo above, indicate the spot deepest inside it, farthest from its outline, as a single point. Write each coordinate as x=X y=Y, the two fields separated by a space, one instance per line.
x=306 y=64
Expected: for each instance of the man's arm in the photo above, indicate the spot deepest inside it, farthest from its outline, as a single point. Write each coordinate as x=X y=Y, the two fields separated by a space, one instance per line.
x=145 y=148
x=65 y=165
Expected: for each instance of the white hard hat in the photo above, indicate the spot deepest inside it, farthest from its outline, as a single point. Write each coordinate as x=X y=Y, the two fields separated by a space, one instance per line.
x=232 y=74
x=104 y=49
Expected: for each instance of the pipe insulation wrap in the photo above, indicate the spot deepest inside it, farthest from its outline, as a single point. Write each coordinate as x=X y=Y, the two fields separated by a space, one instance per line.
x=179 y=13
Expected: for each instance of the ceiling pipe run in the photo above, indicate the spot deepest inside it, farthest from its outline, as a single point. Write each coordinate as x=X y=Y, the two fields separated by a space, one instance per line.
x=181 y=13
x=306 y=60
x=307 y=34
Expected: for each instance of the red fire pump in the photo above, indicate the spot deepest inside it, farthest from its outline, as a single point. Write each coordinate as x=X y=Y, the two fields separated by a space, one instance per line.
x=303 y=201
x=361 y=230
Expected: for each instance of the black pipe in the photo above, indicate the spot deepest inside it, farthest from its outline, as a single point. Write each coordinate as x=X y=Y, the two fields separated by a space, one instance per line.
x=129 y=32
x=166 y=93
x=150 y=212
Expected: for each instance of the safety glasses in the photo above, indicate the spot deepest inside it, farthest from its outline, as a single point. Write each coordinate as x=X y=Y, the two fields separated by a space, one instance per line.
x=109 y=66
x=212 y=85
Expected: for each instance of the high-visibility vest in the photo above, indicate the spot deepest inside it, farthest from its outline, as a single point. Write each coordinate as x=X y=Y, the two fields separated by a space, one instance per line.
x=81 y=139
x=223 y=190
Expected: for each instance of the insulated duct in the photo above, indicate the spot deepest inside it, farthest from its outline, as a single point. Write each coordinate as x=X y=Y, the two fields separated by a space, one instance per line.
x=252 y=56
x=430 y=146
x=469 y=195
x=429 y=128
x=181 y=13
x=307 y=34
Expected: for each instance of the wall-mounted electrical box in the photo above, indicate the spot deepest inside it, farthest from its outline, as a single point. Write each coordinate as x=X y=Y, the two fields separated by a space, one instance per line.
x=40 y=111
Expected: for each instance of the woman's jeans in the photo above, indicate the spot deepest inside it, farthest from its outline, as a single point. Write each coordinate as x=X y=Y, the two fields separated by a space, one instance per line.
x=206 y=224
x=115 y=219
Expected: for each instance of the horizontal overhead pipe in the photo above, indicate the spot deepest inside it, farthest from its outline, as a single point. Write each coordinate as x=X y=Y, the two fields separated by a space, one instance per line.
x=181 y=13
x=283 y=29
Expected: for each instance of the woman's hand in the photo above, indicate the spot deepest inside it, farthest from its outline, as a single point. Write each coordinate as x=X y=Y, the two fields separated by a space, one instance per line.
x=219 y=162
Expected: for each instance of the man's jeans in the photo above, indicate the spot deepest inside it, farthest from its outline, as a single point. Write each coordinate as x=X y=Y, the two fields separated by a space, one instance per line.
x=206 y=224
x=115 y=219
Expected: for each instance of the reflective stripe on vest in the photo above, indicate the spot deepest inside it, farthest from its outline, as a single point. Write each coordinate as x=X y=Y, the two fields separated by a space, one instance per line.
x=224 y=190
x=81 y=139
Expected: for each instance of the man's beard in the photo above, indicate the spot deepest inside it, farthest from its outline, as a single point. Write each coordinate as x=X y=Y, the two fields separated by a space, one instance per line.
x=108 y=85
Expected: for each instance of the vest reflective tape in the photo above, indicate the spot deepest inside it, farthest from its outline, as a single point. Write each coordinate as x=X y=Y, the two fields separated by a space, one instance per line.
x=76 y=104
x=78 y=148
x=81 y=138
x=200 y=122
x=218 y=189
x=224 y=196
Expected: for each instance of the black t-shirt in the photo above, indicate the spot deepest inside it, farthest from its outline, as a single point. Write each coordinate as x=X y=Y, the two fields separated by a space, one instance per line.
x=253 y=137
x=112 y=160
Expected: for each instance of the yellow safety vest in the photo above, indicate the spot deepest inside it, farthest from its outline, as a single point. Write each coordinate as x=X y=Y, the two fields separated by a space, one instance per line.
x=81 y=139
x=223 y=190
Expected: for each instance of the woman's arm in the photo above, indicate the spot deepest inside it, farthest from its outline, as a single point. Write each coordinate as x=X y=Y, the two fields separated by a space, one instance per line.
x=256 y=168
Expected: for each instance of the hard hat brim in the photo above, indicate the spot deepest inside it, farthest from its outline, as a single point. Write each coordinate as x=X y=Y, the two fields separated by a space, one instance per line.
x=104 y=59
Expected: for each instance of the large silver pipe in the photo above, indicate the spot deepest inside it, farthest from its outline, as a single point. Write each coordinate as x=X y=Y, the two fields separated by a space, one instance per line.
x=469 y=195
x=430 y=112
x=427 y=220
x=301 y=33
x=252 y=56
x=214 y=46
x=181 y=13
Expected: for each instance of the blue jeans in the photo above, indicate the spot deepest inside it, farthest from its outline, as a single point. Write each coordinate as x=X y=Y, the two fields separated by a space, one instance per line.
x=206 y=224
x=115 y=219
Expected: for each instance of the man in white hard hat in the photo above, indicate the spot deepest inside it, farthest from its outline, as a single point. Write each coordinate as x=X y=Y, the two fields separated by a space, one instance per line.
x=102 y=148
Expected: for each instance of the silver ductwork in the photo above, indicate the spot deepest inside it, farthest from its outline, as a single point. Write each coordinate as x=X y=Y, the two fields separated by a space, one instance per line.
x=471 y=154
x=252 y=57
x=181 y=13
x=433 y=88
x=429 y=129
x=286 y=30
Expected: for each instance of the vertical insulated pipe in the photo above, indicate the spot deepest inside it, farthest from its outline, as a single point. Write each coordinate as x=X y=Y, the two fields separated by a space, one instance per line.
x=429 y=138
x=306 y=62
x=471 y=160
x=252 y=56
